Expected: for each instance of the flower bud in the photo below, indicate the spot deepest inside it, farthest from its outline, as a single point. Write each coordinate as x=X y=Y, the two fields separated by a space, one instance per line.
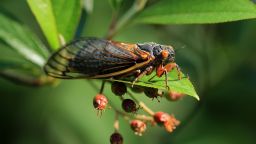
x=168 y=121
x=138 y=126
x=129 y=105
x=152 y=92
x=137 y=89
x=100 y=102
x=116 y=138
x=161 y=117
x=118 y=88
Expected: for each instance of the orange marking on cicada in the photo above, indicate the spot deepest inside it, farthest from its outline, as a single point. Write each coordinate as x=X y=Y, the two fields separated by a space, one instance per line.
x=160 y=70
x=144 y=56
x=132 y=48
x=128 y=46
x=167 y=68
x=165 y=54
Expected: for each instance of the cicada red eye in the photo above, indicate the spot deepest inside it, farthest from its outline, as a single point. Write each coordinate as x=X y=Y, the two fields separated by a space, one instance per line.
x=165 y=54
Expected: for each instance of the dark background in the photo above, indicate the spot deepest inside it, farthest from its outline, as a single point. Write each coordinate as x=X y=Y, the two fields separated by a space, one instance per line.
x=221 y=62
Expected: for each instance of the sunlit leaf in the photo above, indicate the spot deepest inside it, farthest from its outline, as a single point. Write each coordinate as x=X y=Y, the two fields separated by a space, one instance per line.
x=67 y=14
x=42 y=9
x=183 y=86
x=22 y=40
x=57 y=18
x=197 y=11
x=88 y=5
x=13 y=63
x=115 y=4
x=8 y=64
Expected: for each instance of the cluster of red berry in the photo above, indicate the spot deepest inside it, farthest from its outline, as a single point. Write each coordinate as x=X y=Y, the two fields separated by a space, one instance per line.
x=138 y=122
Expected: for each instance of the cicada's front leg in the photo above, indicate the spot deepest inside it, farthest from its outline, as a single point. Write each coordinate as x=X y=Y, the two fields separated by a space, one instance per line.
x=160 y=70
x=165 y=69
x=148 y=70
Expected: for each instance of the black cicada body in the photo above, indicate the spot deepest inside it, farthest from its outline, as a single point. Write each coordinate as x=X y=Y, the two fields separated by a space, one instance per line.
x=97 y=58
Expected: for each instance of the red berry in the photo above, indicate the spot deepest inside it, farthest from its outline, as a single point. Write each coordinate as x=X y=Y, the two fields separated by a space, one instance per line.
x=118 y=88
x=100 y=102
x=174 y=96
x=138 y=126
x=129 y=105
x=161 y=117
x=116 y=138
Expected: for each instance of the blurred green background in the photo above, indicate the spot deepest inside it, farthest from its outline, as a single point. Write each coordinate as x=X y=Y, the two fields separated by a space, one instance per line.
x=219 y=58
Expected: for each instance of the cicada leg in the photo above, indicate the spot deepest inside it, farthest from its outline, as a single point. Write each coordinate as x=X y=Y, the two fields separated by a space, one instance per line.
x=152 y=78
x=133 y=73
x=166 y=79
x=165 y=69
x=179 y=71
x=160 y=70
x=146 y=71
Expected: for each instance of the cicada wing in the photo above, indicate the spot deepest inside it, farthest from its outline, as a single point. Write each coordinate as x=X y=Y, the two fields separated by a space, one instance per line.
x=91 y=58
x=58 y=64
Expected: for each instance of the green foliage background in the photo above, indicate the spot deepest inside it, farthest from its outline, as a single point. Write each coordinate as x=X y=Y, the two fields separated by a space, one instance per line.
x=219 y=58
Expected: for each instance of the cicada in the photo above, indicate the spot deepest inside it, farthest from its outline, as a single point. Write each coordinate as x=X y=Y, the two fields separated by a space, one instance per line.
x=96 y=58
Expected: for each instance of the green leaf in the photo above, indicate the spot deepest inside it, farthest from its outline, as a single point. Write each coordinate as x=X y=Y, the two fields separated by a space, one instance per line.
x=11 y=60
x=183 y=86
x=57 y=19
x=88 y=6
x=42 y=9
x=15 y=68
x=8 y=64
x=115 y=4
x=22 y=41
x=67 y=15
x=197 y=11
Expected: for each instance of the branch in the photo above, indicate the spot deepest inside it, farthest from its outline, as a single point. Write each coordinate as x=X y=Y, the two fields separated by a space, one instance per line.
x=116 y=26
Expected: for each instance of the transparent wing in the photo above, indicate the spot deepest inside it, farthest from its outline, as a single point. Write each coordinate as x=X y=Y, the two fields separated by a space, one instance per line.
x=94 y=58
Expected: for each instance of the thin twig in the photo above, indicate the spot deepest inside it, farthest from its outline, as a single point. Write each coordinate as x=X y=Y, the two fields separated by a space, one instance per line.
x=102 y=86
x=116 y=122
x=27 y=80
x=134 y=116
x=138 y=5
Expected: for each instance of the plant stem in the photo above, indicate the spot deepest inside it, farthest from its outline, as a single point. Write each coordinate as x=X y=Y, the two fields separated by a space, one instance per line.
x=27 y=80
x=137 y=116
x=116 y=122
x=115 y=27
x=102 y=86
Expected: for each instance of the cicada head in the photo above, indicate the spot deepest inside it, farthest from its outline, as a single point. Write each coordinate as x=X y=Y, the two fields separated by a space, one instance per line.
x=163 y=54
x=166 y=54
